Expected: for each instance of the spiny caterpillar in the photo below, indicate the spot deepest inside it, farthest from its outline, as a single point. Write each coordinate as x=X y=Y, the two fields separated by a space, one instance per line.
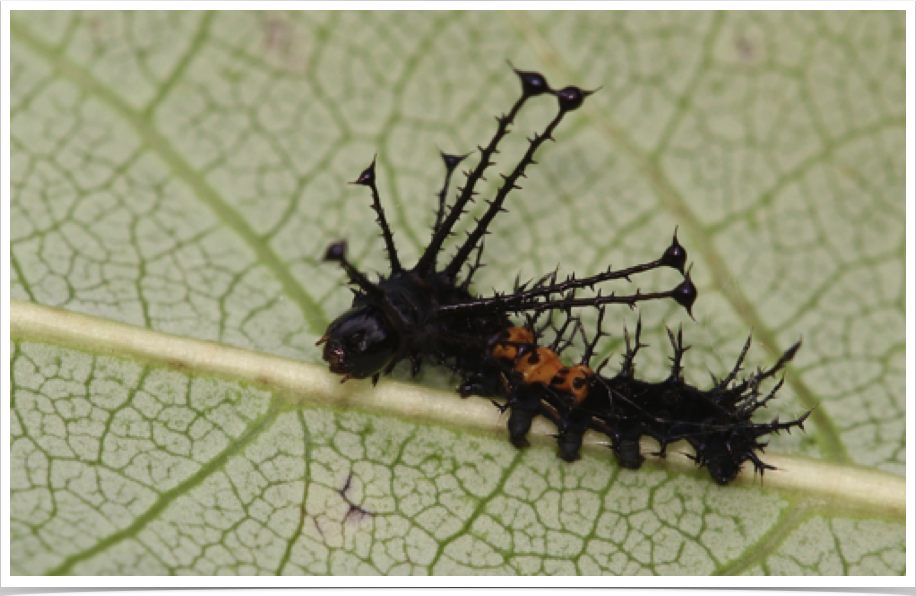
x=716 y=422
x=427 y=313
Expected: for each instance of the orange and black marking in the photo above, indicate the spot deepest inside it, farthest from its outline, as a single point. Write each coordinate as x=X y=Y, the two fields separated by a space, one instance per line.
x=542 y=365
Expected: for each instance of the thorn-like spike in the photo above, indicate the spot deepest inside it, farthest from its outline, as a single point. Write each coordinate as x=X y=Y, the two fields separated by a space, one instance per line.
x=792 y=351
x=495 y=206
x=571 y=98
x=451 y=163
x=675 y=255
x=336 y=252
x=685 y=294
x=367 y=177
x=533 y=83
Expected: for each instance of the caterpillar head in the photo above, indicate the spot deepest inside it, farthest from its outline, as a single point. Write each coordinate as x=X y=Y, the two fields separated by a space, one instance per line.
x=359 y=343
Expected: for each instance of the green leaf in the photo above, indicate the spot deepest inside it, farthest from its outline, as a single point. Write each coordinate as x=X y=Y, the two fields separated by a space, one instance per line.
x=176 y=178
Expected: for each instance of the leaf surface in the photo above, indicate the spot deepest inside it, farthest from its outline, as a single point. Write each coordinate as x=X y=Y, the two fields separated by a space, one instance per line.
x=177 y=176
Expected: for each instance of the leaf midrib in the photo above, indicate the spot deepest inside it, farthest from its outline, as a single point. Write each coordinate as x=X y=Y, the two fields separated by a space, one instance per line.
x=828 y=436
x=840 y=486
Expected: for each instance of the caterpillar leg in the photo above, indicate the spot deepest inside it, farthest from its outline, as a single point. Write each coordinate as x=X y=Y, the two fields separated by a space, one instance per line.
x=627 y=453
x=525 y=404
x=569 y=438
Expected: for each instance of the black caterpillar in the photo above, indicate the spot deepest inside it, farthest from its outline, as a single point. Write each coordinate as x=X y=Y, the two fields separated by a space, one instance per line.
x=427 y=313
x=716 y=422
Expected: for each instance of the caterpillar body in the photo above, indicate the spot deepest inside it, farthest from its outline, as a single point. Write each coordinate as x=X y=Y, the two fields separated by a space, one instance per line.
x=430 y=314
x=716 y=422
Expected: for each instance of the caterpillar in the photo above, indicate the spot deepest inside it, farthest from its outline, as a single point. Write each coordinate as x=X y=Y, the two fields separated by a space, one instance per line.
x=424 y=313
x=715 y=422
x=429 y=314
